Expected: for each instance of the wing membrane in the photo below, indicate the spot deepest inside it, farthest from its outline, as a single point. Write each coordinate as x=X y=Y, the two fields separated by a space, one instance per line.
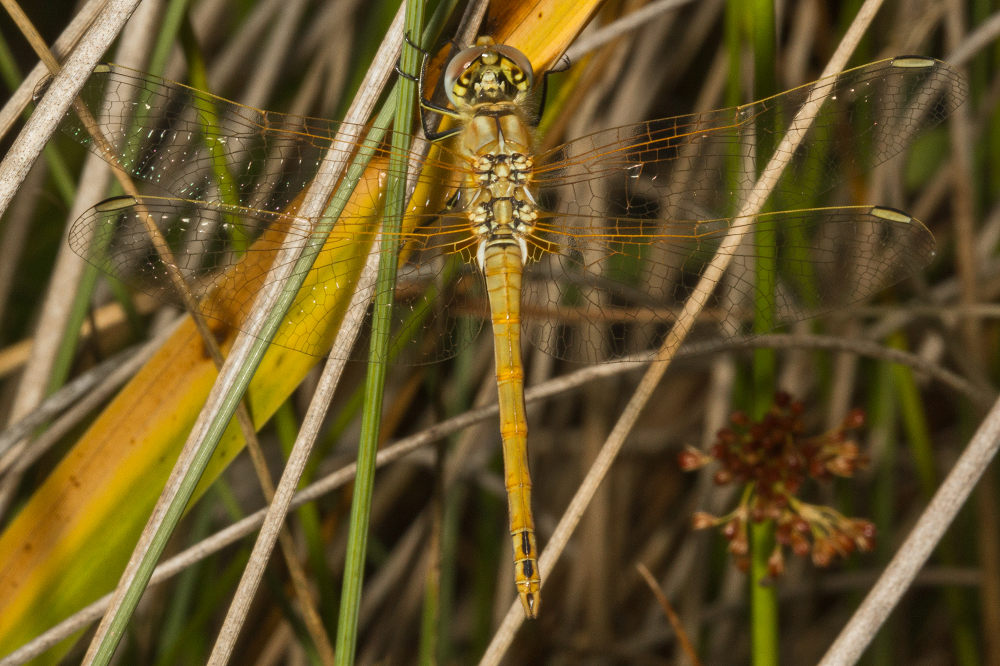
x=433 y=267
x=633 y=214
x=701 y=166
x=611 y=291
x=616 y=292
x=197 y=146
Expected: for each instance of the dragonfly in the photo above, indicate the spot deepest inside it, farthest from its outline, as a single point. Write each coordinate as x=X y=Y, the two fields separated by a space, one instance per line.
x=588 y=249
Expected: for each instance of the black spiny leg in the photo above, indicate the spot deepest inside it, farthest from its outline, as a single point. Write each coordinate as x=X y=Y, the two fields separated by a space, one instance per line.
x=423 y=60
x=561 y=66
x=427 y=105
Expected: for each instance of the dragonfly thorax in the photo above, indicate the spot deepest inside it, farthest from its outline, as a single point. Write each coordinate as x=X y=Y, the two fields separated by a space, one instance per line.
x=494 y=168
x=500 y=207
x=503 y=219
x=487 y=83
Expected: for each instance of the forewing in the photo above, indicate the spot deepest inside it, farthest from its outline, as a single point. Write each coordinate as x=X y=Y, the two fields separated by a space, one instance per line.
x=197 y=146
x=638 y=211
x=702 y=166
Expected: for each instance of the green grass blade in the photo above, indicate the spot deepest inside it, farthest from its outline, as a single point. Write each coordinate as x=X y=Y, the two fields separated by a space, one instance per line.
x=350 y=598
x=758 y=24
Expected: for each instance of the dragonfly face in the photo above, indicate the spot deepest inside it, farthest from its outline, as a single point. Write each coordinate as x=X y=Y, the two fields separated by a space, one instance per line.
x=487 y=72
x=589 y=247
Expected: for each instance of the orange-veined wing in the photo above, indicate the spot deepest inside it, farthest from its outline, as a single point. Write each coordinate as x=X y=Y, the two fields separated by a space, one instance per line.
x=615 y=288
x=643 y=177
x=200 y=147
x=112 y=236
x=701 y=166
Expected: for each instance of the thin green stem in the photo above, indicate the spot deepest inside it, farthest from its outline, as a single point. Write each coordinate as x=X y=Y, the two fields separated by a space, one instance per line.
x=756 y=29
x=763 y=600
x=170 y=25
x=882 y=422
x=759 y=25
x=357 y=540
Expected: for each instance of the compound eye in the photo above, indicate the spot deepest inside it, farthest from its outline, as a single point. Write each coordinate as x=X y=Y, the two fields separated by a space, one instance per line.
x=521 y=61
x=454 y=87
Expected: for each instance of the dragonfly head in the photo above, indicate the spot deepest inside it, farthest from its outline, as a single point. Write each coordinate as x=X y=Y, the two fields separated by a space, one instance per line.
x=487 y=72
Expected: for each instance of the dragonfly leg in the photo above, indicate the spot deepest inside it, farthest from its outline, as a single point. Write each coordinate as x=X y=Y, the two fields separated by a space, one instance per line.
x=423 y=60
x=430 y=131
x=418 y=47
x=432 y=134
x=425 y=103
x=561 y=66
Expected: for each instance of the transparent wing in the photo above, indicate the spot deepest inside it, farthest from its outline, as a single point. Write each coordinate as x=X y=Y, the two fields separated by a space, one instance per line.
x=634 y=213
x=702 y=166
x=200 y=147
x=236 y=172
x=617 y=289
x=433 y=269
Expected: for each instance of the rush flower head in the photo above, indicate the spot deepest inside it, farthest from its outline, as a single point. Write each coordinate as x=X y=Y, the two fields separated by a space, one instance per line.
x=771 y=459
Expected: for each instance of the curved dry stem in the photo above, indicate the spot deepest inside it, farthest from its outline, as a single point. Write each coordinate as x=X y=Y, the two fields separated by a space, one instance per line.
x=51 y=109
x=913 y=553
x=857 y=346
